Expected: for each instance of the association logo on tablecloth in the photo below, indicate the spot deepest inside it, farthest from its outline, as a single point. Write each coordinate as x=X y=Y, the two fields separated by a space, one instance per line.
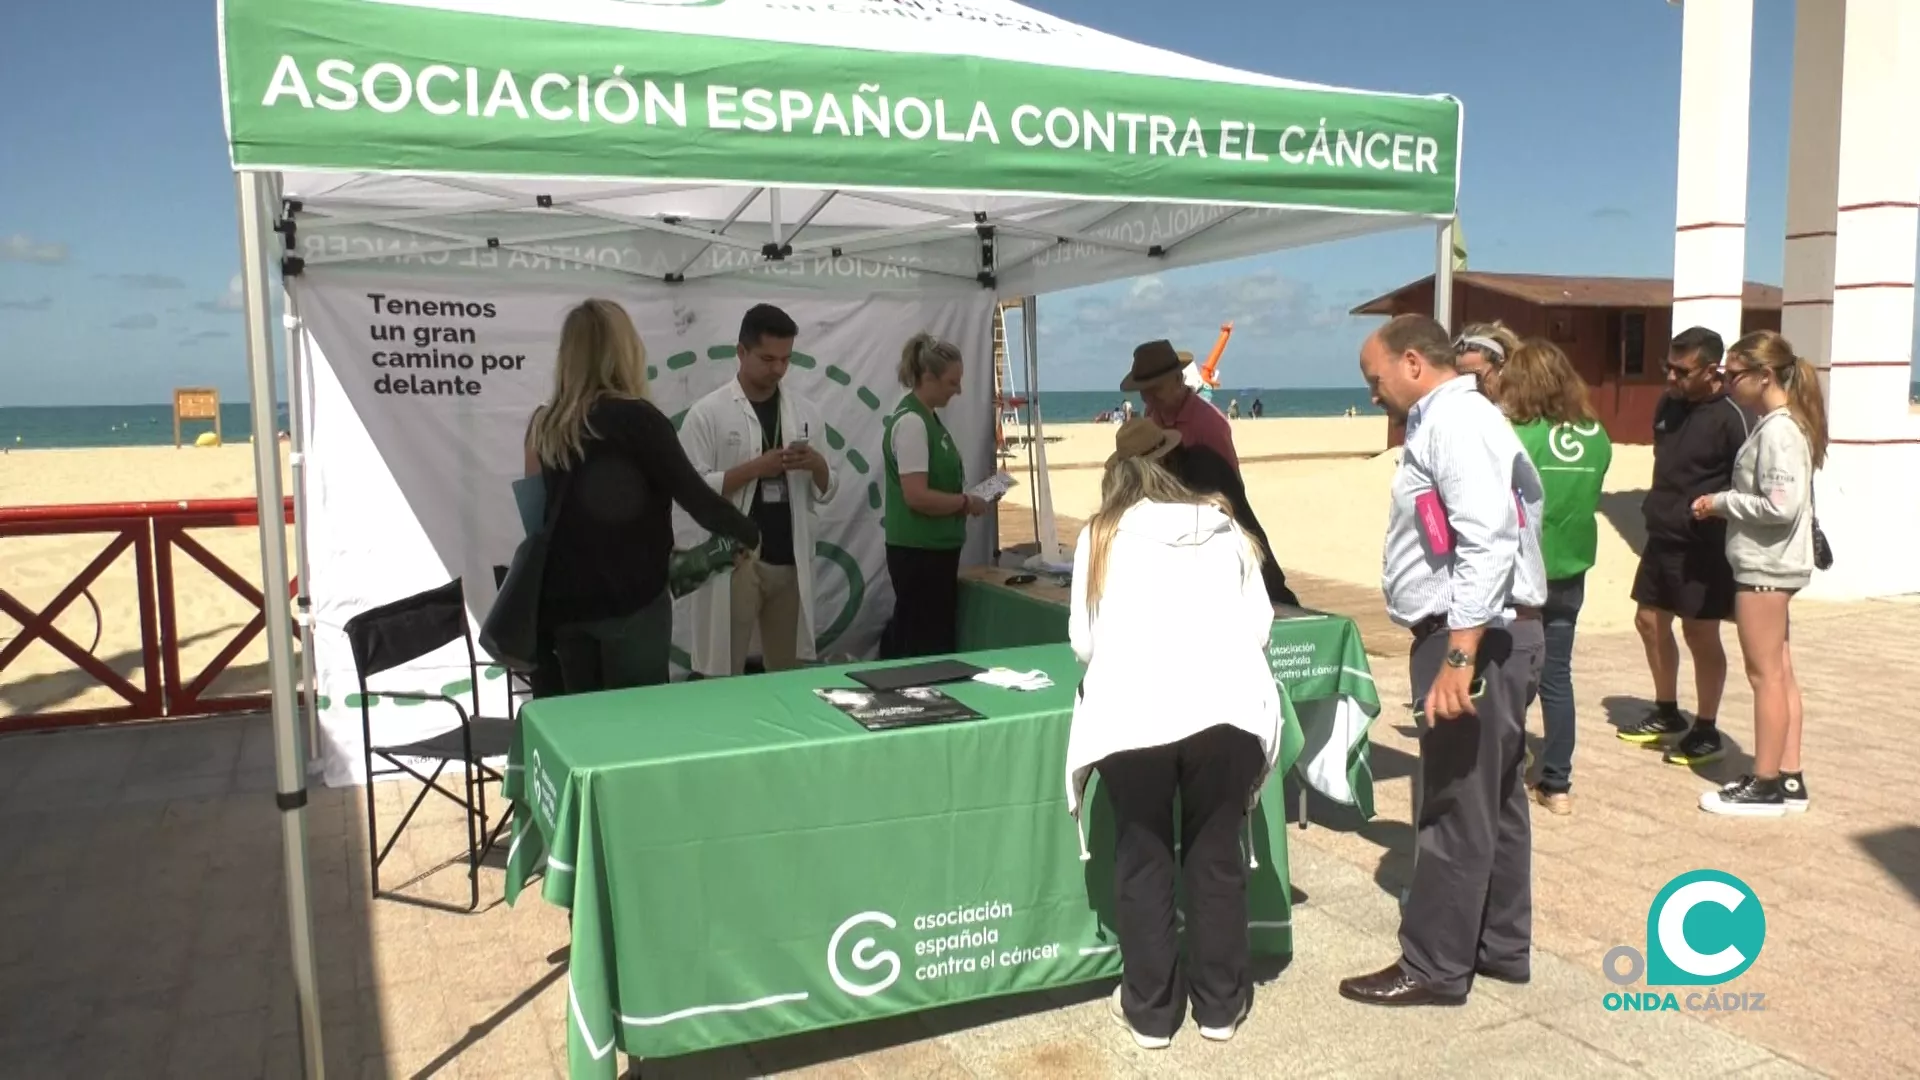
x=962 y=940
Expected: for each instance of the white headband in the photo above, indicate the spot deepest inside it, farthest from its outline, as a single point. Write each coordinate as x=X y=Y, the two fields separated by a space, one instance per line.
x=1482 y=344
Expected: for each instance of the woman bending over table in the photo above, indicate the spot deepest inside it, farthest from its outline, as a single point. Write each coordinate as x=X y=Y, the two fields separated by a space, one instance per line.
x=927 y=508
x=1156 y=563
x=614 y=464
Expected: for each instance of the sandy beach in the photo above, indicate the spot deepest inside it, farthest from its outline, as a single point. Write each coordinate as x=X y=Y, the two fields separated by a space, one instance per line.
x=1319 y=486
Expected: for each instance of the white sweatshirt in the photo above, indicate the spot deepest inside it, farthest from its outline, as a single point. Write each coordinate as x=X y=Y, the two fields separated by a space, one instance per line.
x=1179 y=644
x=1769 y=512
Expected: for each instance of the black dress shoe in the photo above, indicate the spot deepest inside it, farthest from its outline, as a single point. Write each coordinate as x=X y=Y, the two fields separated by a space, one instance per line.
x=1393 y=986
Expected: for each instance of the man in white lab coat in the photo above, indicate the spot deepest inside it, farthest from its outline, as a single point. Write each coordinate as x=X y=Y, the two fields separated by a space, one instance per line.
x=755 y=442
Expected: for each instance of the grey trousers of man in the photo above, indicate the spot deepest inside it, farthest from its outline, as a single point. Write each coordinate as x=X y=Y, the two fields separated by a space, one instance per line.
x=1471 y=904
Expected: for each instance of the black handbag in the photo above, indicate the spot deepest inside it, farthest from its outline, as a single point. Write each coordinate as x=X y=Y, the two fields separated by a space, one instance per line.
x=1822 y=551
x=511 y=632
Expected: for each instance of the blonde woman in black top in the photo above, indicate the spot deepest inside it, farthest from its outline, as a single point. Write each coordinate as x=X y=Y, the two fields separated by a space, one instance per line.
x=615 y=463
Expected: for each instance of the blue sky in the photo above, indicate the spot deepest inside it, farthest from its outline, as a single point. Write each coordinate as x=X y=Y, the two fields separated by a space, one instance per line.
x=118 y=247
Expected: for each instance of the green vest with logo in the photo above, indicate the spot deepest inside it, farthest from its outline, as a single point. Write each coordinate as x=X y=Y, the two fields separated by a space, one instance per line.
x=945 y=472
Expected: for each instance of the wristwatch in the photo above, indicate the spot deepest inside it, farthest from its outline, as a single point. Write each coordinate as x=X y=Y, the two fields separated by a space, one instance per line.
x=1458 y=659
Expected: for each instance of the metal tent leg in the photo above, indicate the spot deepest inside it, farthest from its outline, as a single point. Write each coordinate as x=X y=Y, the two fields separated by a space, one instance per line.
x=289 y=770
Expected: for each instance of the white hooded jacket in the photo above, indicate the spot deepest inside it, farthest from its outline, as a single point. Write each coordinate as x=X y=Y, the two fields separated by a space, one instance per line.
x=1179 y=644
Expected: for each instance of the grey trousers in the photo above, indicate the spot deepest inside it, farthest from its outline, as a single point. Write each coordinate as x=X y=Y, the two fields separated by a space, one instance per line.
x=1471 y=903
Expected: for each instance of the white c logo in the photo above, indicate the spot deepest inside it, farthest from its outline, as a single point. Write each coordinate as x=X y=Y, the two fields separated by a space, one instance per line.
x=861 y=959
x=1565 y=446
x=1673 y=933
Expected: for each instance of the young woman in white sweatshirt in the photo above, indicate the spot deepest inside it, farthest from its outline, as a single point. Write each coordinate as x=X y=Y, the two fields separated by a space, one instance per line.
x=1157 y=572
x=1769 y=515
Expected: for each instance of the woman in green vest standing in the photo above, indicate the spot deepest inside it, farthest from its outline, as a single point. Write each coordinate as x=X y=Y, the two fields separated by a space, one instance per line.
x=1546 y=399
x=927 y=507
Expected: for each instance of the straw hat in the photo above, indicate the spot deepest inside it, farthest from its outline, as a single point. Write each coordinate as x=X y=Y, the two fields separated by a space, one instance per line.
x=1152 y=362
x=1142 y=438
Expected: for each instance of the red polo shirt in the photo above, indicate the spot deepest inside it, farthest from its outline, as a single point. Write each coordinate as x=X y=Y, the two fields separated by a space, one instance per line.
x=1200 y=424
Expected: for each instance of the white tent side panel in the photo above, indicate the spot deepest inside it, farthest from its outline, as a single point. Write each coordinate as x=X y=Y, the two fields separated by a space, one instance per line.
x=409 y=489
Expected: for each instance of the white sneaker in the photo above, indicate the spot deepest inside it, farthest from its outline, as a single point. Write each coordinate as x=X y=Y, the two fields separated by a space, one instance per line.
x=1144 y=1042
x=1226 y=1034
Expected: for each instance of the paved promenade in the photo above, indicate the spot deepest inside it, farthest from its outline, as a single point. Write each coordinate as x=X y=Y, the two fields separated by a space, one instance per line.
x=142 y=930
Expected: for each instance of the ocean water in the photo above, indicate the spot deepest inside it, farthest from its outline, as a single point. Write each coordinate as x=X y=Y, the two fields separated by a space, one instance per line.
x=60 y=426
x=66 y=426
x=36 y=427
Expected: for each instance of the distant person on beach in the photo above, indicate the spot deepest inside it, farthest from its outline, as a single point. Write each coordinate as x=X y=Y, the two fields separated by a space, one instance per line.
x=1126 y=410
x=1205 y=473
x=1159 y=376
x=1546 y=401
x=1233 y=409
x=1697 y=433
x=1773 y=549
x=613 y=466
x=1482 y=350
x=1259 y=409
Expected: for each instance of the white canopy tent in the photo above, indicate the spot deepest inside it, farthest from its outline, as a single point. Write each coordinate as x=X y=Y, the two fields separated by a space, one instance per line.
x=857 y=147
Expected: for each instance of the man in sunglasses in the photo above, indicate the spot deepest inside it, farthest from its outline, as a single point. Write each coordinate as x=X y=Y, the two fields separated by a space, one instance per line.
x=1697 y=433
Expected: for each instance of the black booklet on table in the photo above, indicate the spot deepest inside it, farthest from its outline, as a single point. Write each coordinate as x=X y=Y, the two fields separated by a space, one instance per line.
x=881 y=710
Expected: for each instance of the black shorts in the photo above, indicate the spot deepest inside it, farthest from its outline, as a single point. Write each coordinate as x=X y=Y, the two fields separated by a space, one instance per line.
x=1692 y=581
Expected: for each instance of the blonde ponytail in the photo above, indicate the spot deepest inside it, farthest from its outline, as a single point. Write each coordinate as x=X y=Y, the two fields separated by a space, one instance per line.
x=925 y=355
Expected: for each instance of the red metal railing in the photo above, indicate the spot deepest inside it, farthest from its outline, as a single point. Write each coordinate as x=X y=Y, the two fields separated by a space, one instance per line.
x=154 y=530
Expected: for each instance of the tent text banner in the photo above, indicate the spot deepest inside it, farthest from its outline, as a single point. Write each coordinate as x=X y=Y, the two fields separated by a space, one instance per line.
x=421 y=393
x=365 y=85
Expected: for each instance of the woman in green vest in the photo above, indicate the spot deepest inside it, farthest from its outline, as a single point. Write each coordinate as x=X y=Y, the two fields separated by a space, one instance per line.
x=927 y=507
x=1546 y=399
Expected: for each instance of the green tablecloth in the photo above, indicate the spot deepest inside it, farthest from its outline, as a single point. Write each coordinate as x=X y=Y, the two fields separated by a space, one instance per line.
x=744 y=862
x=1317 y=657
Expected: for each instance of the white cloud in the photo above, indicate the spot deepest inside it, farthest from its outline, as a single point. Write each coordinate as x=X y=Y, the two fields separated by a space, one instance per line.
x=228 y=302
x=23 y=248
x=153 y=282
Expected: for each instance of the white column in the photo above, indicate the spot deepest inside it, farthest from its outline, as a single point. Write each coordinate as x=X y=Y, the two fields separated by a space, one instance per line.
x=1869 y=493
x=1813 y=178
x=1710 y=230
x=1443 y=277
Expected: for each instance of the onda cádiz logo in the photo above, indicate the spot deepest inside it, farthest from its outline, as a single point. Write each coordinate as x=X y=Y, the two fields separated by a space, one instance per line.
x=1705 y=928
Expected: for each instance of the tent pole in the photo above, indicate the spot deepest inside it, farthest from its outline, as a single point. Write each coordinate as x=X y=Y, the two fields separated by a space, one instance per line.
x=297 y=460
x=289 y=774
x=1443 y=276
x=1048 y=534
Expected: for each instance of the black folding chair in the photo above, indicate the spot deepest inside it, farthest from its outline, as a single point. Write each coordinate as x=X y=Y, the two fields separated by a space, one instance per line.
x=393 y=634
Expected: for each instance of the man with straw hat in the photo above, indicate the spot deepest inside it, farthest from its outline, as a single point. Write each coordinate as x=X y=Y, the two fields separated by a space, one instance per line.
x=1206 y=473
x=1159 y=377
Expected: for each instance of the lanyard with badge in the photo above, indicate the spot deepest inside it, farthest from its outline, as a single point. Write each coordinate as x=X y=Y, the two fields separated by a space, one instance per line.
x=773 y=489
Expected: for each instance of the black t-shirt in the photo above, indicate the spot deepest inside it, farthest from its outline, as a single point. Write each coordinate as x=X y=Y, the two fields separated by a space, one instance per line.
x=607 y=556
x=1694 y=447
x=774 y=518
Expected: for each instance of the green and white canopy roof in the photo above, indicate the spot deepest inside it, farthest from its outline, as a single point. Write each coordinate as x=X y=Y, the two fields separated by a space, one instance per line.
x=849 y=144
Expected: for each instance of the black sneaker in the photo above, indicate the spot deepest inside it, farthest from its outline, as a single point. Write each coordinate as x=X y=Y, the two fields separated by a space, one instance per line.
x=1748 y=796
x=1701 y=746
x=1793 y=793
x=1658 y=727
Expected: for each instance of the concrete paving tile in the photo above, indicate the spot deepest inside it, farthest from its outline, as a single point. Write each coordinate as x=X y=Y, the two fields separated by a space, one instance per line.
x=233 y=1045
x=1077 y=1060
x=1776 y=1068
x=1519 y=1048
x=1664 y=1044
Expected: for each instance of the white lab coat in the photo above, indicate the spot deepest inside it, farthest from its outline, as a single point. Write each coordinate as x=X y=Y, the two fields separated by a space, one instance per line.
x=721 y=432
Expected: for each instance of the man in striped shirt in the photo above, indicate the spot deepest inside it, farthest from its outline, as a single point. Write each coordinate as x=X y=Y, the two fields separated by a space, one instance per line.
x=1462 y=571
